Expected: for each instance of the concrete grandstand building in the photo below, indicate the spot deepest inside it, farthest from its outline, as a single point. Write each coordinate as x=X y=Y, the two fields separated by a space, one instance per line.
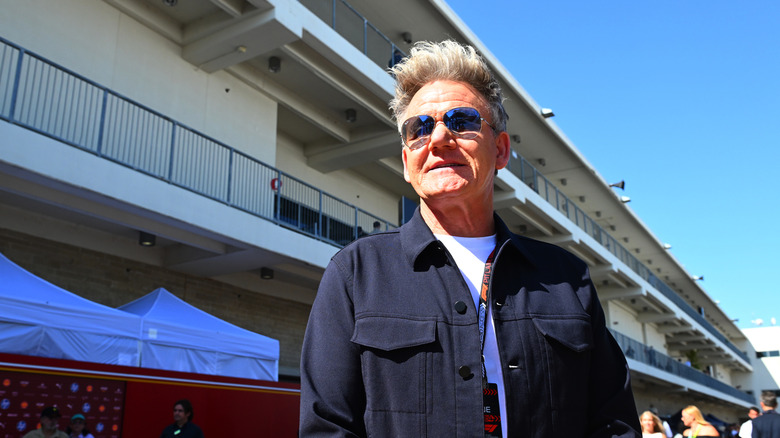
x=226 y=149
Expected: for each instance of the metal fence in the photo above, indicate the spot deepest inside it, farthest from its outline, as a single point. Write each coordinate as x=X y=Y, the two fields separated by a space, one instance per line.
x=636 y=350
x=51 y=100
x=527 y=173
x=353 y=27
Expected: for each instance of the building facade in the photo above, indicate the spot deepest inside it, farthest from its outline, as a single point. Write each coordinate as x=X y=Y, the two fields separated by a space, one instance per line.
x=226 y=149
x=764 y=345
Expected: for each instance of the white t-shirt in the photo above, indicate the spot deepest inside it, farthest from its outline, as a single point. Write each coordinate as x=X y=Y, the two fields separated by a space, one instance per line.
x=470 y=254
x=746 y=430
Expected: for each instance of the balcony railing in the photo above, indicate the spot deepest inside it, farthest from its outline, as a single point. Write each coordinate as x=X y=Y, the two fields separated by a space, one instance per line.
x=51 y=100
x=351 y=25
x=527 y=173
x=635 y=350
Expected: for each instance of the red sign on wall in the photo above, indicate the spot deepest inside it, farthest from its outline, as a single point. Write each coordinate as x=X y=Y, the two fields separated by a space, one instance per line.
x=24 y=395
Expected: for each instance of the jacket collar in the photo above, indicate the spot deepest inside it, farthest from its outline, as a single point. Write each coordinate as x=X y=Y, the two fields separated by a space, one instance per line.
x=417 y=239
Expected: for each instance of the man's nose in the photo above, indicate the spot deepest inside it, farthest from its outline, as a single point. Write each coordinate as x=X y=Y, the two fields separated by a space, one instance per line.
x=441 y=136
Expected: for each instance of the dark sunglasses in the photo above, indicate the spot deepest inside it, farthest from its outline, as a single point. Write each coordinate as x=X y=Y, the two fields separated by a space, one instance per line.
x=463 y=122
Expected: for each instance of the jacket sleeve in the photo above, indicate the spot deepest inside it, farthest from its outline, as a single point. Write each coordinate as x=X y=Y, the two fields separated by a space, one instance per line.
x=332 y=392
x=612 y=409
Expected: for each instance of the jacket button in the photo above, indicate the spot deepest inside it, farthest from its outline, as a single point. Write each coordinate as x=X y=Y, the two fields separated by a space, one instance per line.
x=464 y=371
x=460 y=307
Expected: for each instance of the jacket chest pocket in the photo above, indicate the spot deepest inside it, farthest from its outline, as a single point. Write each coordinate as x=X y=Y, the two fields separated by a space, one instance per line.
x=566 y=345
x=395 y=361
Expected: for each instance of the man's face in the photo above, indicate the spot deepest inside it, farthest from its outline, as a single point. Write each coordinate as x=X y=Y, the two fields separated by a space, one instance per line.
x=752 y=414
x=449 y=168
x=49 y=424
x=179 y=416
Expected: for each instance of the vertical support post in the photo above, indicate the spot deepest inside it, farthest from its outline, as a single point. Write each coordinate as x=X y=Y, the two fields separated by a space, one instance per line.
x=102 y=126
x=230 y=176
x=15 y=93
x=172 y=154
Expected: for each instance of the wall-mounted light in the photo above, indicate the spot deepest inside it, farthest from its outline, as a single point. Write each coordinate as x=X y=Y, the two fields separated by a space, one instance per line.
x=146 y=239
x=274 y=64
x=625 y=199
x=266 y=273
x=563 y=181
x=547 y=113
x=697 y=278
x=542 y=162
x=667 y=246
x=351 y=115
x=621 y=185
x=407 y=37
x=516 y=138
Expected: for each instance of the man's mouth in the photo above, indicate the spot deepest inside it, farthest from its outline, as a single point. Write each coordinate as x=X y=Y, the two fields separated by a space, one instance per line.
x=445 y=165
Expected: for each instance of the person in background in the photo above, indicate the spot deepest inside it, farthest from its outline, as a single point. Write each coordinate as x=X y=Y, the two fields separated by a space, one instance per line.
x=746 y=430
x=667 y=428
x=697 y=426
x=50 y=417
x=78 y=427
x=651 y=425
x=453 y=326
x=768 y=424
x=182 y=426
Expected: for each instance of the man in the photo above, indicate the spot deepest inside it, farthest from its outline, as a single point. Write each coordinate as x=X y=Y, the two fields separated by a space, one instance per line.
x=746 y=430
x=451 y=326
x=50 y=417
x=768 y=424
x=182 y=426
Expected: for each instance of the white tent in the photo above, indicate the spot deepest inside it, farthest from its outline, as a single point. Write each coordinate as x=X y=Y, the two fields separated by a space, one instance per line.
x=38 y=318
x=177 y=336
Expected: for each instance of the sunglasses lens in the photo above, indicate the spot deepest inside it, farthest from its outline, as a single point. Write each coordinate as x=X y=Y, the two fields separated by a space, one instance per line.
x=416 y=129
x=463 y=120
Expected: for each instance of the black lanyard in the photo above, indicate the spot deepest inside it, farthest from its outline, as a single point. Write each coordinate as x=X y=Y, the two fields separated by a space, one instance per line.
x=484 y=295
x=490 y=401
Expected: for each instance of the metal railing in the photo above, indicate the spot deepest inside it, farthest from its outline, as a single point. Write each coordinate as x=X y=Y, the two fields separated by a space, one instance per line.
x=636 y=350
x=528 y=174
x=353 y=27
x=51 y=100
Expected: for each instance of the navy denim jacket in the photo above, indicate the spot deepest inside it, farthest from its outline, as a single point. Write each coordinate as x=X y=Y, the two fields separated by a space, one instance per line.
x=388 y=354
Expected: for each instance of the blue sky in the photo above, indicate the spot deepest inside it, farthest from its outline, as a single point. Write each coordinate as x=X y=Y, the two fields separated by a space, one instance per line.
x=681 y=99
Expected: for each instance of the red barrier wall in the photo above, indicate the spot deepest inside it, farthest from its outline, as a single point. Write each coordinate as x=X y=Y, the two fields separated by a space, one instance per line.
x=223 y=406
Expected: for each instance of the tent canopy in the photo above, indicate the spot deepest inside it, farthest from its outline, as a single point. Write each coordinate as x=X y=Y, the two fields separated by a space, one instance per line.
x=177 y=336
x=38 y=318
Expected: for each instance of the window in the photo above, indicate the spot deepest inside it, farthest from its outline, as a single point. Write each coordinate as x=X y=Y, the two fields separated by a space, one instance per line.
x=762 y=354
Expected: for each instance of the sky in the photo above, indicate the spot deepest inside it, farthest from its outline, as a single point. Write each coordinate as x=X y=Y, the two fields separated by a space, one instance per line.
x=679 y=98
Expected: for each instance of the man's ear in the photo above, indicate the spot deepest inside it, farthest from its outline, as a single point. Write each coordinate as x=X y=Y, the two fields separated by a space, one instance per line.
x=503 y=149
x=403 y=158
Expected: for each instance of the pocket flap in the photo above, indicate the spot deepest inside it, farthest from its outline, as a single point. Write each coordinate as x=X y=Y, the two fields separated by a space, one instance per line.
x=391 y=333
x=574 y=334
